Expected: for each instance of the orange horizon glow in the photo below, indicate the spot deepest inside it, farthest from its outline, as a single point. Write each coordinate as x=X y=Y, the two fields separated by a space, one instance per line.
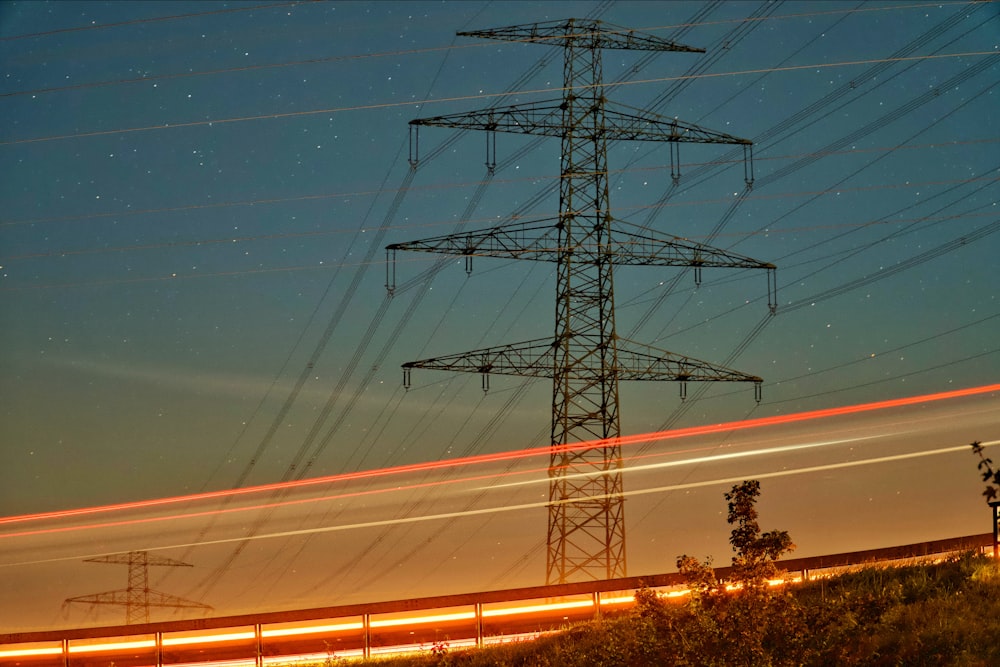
x=504 y=456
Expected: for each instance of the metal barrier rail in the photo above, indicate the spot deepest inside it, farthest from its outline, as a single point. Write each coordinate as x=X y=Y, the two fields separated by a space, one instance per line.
x=363 y=630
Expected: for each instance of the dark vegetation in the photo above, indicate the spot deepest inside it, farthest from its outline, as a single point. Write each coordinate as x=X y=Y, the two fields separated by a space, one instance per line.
x=932 y=613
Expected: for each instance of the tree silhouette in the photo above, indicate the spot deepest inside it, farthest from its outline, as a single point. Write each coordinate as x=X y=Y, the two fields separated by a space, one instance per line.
x=756 y=552
x=749 y=623
x=989 y=475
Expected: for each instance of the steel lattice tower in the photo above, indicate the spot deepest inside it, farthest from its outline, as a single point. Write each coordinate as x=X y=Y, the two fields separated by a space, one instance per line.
x=137 y=598
x=585 y=359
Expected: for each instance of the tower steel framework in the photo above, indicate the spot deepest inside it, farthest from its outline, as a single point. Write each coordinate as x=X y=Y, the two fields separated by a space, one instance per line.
x=137 y=597
x=585 y=358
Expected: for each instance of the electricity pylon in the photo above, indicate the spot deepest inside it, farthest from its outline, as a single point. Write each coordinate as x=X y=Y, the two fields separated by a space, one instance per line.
x=137 y=598
x=585 y=359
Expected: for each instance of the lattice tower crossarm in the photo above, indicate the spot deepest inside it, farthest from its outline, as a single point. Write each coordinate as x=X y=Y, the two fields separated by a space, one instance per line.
x=538 y=240
x=137 y=597
x=535 y=358
x=585 y=358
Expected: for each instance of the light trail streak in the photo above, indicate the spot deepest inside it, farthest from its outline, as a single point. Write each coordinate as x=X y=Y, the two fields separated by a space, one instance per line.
x=293 y=632
x=724 y=427
x=278 y=486
x=520 y=507
x=115 y=646
x=810 y=469
x=30 y=652
x=254 y=508
x=209 y=639
x=425 y=485
x=411 y=620
x=536 y=608
x=695 y=460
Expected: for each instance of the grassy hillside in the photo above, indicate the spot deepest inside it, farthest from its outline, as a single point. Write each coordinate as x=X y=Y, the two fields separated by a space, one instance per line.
x=946 y=613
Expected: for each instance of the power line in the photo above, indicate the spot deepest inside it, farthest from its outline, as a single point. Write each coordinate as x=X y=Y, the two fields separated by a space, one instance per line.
x=481 y=96
x=467 y=220
x=659 y=168
x=366 y=56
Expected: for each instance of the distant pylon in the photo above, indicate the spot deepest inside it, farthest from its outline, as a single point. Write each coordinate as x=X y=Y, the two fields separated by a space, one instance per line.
x=137 y=598
x=585 y=359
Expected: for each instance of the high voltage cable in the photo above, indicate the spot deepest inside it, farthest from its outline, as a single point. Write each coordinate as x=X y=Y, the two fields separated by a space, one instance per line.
x=333 y=322
x=638 y=299
x=792 y=124
x=327 y=334
x=871 y=73
x=898 y=348
x=879 y=123
x=932 y=253
x=229 y=240
x=292 y=396
x=758 y=329
x=387 y=346
x=384 y=54
x=411 y=103
x=954 y=244
x=470 y=208
x=779 y=128
x=838 y=290
x=894 y=216
x=505 y=181
x=837 y=258
x=472 y=204
x=799 y=397
x=877 y=355
x=212 y=579
x=769 y=230
x=715 y=52
x=752 y=84
x=894 y=378
x=360 y=349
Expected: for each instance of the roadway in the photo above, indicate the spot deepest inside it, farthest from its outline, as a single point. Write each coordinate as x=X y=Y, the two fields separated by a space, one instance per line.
x=400 y=626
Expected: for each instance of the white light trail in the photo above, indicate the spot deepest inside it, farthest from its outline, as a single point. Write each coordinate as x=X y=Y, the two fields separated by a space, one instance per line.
x=695 y=460
x=522 y=507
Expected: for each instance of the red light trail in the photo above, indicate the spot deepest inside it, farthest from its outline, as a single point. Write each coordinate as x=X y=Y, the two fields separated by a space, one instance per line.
x=500 y=457
x=492 y=477
x=395 y=521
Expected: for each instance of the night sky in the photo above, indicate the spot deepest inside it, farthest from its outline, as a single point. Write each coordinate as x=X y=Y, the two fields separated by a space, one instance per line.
x=196 y=197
